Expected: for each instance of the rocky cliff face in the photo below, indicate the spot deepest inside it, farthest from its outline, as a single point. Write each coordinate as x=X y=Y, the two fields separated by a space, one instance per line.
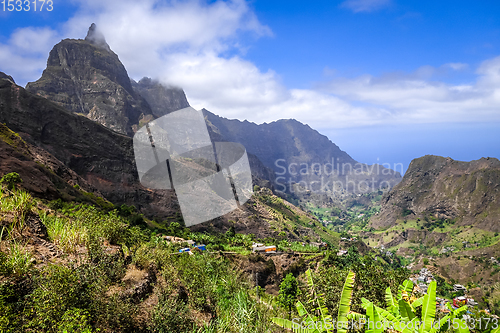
x=300 y=155
x=161 y=99
x=445 y=189
x=86 y=77
x=100 y=156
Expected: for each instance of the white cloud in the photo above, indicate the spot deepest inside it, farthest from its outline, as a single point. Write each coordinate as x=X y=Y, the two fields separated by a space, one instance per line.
x=141 y=32
x=358 y=6
x=412 y=99
x=183 y=44
x=24 y=55
x=456 y=66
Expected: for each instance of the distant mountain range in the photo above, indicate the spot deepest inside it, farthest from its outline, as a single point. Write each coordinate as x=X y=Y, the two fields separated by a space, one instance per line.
x=85 y=79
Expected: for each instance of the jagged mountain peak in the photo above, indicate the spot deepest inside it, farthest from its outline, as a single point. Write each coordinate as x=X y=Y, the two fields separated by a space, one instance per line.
x=95 y=37
x=87 y=77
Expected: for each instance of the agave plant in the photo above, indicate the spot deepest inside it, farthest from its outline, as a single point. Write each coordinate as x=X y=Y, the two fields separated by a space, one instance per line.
x=320 y=320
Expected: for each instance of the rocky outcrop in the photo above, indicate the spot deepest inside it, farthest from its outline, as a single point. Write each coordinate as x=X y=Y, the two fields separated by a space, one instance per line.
x=86 y=77
x=443 y=188
x=8 y=77
x=161 y=99
x=95 y=37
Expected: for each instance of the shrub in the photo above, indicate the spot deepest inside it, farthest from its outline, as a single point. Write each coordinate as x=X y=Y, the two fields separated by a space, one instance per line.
x=67 y=234
x=75 y=321
x=58 y=289
x=17 y=263
x=11 y=179
x=171 y=315
x=287 y=296
x=230 y=232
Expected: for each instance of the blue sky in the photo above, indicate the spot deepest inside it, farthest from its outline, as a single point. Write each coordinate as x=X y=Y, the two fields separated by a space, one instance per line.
x=386 y=80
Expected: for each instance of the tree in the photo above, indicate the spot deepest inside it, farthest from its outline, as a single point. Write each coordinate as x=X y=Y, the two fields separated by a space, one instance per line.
x=288 y=292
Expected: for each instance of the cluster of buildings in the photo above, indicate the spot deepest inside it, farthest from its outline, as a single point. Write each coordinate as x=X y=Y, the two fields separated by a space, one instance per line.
x=261 y=248
x=192 y=246
x=447 y=249
x=422 y=281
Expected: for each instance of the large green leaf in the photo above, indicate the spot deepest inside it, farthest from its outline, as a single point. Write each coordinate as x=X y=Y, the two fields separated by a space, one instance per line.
x=442 y=323
x=319 y=298
x=309 y=279
x=374 y=320
x=365 y=303
x=301 y=309
x=429 y=308
x=406 y=310
x=345 y=303
x=355 y=316
x=462 y=326
x=411 y=326
x=387 y=315
x=391 y=304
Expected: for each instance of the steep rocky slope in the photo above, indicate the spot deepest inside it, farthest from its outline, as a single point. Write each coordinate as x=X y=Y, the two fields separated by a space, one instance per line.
x=42 y=173
x=102 y=157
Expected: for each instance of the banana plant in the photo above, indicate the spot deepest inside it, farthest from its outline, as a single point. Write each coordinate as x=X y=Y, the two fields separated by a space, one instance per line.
x=401 y=312
x=401 y=307
x=456 y=319
x=318 y=324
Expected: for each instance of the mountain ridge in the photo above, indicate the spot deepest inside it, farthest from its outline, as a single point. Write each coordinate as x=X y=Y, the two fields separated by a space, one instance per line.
x=445 y=188
x=294 y=151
